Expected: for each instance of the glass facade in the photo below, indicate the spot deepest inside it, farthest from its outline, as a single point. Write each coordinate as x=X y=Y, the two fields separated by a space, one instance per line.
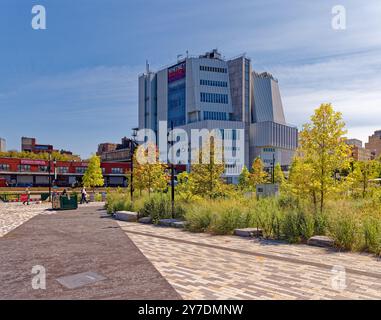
x=176 y=95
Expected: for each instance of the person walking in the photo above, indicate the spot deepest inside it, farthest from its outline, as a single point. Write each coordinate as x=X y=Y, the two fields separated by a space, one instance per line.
x=27 y=192
x=83 y=195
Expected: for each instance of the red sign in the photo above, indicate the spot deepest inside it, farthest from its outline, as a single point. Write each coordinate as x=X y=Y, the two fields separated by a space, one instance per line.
x=33 y=162
x=177 y=72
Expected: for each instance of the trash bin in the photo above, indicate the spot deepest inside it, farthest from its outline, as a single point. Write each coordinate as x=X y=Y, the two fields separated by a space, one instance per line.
x=44 y=196
x=68 y=203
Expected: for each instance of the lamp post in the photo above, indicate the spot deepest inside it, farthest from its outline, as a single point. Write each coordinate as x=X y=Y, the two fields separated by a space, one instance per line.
x=133 y=142
x=50 y=177
x=172 y=174
x=273 y=173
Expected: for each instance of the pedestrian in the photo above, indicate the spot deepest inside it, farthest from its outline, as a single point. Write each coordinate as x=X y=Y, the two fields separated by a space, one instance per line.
x=83 y=195
x=27 y=197
x=64 y=193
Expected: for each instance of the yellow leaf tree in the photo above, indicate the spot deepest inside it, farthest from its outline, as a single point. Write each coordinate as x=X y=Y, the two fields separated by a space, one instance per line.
x=257 y=174
x=93 y=176
x=323 y=148
x=149 y=172
x=206 y=177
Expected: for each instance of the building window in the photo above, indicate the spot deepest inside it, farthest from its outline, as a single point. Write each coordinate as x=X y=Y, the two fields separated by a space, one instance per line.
x=43 y=168
x=24 y=167
x=213 y=83
x=176 y=103
x=62 y=169
x=214 y=97
x=103 y=170
x=213 y=69
x=80 y=170
x=4 y=167
x=116 y=170
x=212 y=115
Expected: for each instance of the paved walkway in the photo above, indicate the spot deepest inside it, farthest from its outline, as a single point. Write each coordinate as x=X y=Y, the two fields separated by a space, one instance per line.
x=201 y=266
x=74 y=242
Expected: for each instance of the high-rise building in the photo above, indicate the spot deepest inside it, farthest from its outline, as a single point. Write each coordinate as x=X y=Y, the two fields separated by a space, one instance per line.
x=116 y=151
x=358 y=152
x=209 y=92
x=3 y=145
x=374 y=144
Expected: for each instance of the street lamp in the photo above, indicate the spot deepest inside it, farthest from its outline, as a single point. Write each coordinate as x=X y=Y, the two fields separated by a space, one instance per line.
x=133 y=143
x=172 y=172
x=50 y=174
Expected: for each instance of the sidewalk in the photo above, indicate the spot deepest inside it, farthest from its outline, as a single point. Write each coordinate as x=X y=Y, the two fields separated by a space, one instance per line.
x=202 y=266
x=73 y=242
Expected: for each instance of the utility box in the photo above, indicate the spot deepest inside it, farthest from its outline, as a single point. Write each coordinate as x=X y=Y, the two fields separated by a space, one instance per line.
x=267 y=190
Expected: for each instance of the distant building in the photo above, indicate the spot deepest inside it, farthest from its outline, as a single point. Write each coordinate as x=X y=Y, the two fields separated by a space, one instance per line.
x=358 y=153
x=115 y=152
x=210 y=92
x=374 y=144
x=30 y=145
x=3 y=145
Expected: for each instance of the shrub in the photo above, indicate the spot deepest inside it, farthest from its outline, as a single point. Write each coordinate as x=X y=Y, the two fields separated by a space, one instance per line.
x=227 y=219
x=118 y=202
x=267 y=216
x=198 y=218
x=345 y=230
x=372 y=235
x=159 y=206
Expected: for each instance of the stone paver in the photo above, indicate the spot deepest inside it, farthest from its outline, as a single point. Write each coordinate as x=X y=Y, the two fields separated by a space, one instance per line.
x=201 y=266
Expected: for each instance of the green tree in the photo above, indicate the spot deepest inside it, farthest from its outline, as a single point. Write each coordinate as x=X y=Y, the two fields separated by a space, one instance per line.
x=257 y=174
x=207 y=176
x=363 y=172
x=278 y=174
x=244 y=179
x=323 y=147
x=149 y=175
x=93 y=176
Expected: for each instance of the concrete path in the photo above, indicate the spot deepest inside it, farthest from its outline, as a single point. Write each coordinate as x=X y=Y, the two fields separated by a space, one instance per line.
x=202 y=266
x=74 y=242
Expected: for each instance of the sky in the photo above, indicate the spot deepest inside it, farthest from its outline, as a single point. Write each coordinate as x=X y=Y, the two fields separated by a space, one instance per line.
x=74 y=85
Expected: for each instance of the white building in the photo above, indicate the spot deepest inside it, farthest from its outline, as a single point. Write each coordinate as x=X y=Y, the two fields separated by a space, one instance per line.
x=210 y=92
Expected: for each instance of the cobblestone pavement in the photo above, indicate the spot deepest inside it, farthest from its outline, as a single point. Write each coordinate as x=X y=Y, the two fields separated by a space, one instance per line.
x=13 y=215
x=201 y=266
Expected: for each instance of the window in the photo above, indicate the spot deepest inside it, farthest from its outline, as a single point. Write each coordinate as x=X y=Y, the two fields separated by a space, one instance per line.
x=62 y=169
x=4 y=167
x=214 y=97
x=213 y=69
x=116 y=170
x=213 y=83
x=80 y=169
x=43 y=168
x=24 y=167
x=211 y=115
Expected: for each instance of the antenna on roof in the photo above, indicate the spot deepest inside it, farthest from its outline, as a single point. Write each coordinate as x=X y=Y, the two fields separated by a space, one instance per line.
x=147 y=67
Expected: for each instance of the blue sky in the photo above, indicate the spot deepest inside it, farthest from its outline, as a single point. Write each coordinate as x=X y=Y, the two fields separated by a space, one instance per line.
x=75 y=84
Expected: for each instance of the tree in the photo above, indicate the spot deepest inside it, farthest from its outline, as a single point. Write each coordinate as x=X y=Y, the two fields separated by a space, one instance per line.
x=257 y=174
x=278 y=174
x=149 y=175
x=363 y=171
x=300 y=181
x=323 y=148
x=207 y=176
x=244 y=178
x=93 y=176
